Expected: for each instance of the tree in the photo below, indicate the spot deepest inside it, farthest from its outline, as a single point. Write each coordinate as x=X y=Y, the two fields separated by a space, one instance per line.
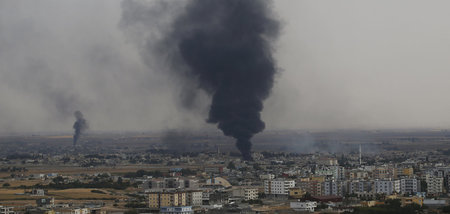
x=231 y=165
x=307 y=196
x=6 y=185
x=58 y=180
x=446 y=209
x=256 y=167
x=423 y=186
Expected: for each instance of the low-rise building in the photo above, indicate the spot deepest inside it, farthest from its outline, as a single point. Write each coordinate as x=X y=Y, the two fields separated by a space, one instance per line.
x=267 y=176
x=6 y=210
x=45 y=202
x=411 y=200
x=296 y=193
x=177 y=210
x=307 y=206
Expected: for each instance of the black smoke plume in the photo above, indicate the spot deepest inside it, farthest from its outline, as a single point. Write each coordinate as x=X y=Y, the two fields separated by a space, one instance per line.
x=225 y=47
x=79 y=126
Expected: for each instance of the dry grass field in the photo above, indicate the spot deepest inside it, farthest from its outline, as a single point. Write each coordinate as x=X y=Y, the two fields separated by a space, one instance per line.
x=67 y=194
x=81 y=194
x=13 y=194
x=17 y=183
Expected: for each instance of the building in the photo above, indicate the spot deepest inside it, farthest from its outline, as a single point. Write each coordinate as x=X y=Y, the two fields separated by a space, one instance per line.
x=409 y=185
x=6 y=210
x=434 y=203
x=37 y=192
x=312 y=187
x=194 y=198
x=354 y=187
x=383 y=173
x=217 y=197
x=250 y=194
x=177 y=210
x=45 y=202
x=448 y=182
x=327 y=161
x=170 y=183
x=357 y=175
x=218 y=182
x=214 y=170
x=247 y=193
x=411 y=200
x=387 y=187
x=278 y=187
x=307 y=206
x=267 y=177
x=435 y=185
x=404 y=172
x=167 y=199
x=80 y=211
x=333 y=188
x=296 y=193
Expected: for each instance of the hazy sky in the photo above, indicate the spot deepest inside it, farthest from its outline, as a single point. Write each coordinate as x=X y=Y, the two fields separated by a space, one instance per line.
x=343 y=64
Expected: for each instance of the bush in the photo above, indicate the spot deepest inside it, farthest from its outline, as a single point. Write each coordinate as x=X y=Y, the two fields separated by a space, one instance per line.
x=6 y=185
x=97 y=191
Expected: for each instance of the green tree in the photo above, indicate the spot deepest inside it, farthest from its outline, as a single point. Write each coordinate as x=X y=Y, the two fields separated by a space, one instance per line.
x=231 y=165
x=423 y=186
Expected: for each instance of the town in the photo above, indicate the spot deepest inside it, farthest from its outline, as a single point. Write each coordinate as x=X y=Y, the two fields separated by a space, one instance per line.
x=220 y=182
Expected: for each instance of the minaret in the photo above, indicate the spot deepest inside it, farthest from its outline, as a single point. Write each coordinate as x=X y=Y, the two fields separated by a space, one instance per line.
x=360 y=160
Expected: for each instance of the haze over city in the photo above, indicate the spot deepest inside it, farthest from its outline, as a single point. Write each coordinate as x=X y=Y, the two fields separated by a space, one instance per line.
x=340 y=65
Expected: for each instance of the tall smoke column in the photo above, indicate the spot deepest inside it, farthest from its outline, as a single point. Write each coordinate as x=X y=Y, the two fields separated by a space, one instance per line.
x=225 y=46
x=79 y=126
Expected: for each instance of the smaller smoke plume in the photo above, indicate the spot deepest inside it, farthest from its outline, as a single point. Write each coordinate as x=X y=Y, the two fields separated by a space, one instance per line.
x=79 y=126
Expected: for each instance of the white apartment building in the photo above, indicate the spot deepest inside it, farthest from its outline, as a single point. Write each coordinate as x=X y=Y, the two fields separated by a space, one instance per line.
x=6 y=210
x=307 y=206
x=387 y=186
x=408 y=185
x=278 y=187
x=435 y=185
